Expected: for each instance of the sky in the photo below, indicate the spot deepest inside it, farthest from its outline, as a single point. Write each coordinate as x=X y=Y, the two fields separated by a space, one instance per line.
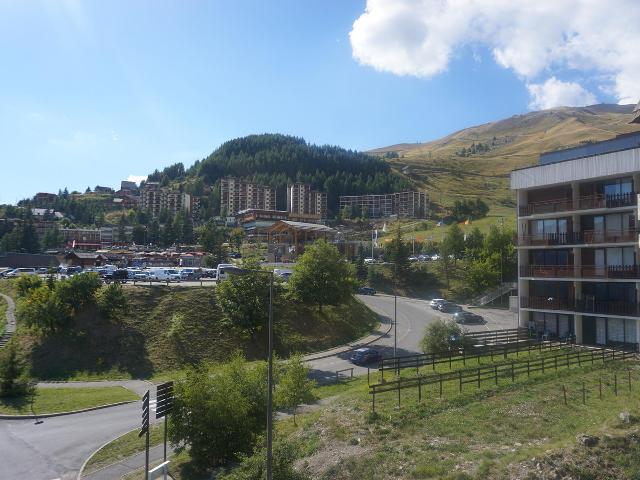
x=94 y=92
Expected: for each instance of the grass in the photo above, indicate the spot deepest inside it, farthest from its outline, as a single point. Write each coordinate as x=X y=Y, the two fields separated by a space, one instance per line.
x=3 y=315
x=55 y=400
x=137 y=345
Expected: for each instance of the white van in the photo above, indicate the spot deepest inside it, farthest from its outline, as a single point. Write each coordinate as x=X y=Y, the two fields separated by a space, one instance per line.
x=222 y=275
x=164 y=274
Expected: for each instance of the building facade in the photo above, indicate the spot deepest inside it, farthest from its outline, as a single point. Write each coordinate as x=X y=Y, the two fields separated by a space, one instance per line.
x=303 y=200
x=402 y=204
x=237 y=195
x=155 y=199
x=578 y=243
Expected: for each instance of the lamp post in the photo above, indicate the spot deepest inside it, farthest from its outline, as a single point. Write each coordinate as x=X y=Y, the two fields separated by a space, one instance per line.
x=395 y=305
x=244 y=271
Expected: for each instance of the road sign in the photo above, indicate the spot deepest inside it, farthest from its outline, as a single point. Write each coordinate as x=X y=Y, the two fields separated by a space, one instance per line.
x=145 y=414
x=164 y=399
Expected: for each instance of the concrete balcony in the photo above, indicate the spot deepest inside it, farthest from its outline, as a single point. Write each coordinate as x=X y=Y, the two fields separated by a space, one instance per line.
x=589 y=237
x=591 y=306
x=609 y=272
x=584 y=203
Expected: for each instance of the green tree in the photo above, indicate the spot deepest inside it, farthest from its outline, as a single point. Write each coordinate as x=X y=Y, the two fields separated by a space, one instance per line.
x=321 y=276
x=441 y=336
x=211 y=239
x=236 y=237
x=111 y=300
x=154 y=233
x=398 y=251
x=43 y=309
x=13 y=378
x=139 y=234
x=254 y=467
x=219 y=411
x=474 y=243
x=27 y=283
x=51 y=238
x=361 y=267
x=483 y=274
x=79 y=291
x=244 y=299
x=454 y=241
x=294 y=387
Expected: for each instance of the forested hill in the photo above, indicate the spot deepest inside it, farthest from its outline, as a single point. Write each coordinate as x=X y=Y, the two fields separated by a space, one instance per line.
x=275 y=160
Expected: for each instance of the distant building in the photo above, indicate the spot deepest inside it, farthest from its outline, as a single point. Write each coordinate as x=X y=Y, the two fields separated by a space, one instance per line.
x=81 y=238
x=303 y=200
x=155 y=199
x=127 y=185
x=402 y=204
x=237 y=195
x=256 y=222
x=46 y=212
x=84 y=260
x=100 y=189
x=43 y=199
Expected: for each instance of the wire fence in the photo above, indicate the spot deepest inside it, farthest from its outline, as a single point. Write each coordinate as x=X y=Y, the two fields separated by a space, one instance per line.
x=493 y=373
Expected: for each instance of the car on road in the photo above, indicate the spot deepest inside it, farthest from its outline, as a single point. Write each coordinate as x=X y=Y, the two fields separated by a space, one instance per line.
x=366 y=291
x=365 y=355
x=448 y=307
x=22 y=271
x=369 y=260
x=435 y=303
x=467 y=317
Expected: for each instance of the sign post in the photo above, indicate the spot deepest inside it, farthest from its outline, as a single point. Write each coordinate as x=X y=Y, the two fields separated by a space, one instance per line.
x=164 y=406
x=145 y=430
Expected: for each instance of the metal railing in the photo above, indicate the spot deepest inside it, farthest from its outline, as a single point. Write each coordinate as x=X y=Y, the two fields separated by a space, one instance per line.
x=576 y=238
x=584 y=203
x=581 y=271
x=605 y=307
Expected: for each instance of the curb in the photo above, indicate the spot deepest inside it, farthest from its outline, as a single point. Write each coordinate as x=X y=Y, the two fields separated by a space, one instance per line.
x=348 y=347
x=60 y=414
x=84 y=465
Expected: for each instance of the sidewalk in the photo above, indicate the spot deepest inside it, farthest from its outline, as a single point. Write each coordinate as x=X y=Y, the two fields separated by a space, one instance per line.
x=128 y=465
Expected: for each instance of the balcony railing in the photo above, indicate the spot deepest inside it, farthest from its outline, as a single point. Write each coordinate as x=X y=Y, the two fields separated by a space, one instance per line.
x=576 y=238
x=583 y=271
x=584 y=203
x=601 y=307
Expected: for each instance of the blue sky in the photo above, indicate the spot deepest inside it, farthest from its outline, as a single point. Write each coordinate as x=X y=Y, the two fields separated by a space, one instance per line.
x=93 y=92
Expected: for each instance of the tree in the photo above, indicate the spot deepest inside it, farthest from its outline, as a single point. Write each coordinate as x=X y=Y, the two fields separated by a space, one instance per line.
x=454 y=241
x=112 y=300
x=43 y=309
x=321 y=276
x=139 y=234
x=294 y=387
x=154 y=233
x=13 y=380
x=361 y=267
x=219 y=411
x=78 y=292
x=244 y=299
x=211 y=239
x=474 y=243
x=483 y=274
x=254 y=467
x=397 y=251
x=236 y=237
x=26 y=283
x=441 y=336
x=51 y=238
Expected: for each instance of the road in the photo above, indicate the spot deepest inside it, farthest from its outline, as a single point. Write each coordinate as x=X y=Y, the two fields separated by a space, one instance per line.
x=57 y=447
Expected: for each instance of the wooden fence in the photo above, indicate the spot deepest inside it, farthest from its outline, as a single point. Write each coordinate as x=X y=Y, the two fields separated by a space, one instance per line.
x=493 y=373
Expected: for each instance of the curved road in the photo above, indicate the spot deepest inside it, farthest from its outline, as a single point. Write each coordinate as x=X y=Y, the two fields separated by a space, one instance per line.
x=57 y=447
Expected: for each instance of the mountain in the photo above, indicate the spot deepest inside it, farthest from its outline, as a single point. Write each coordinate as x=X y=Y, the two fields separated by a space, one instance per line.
x=476 y=161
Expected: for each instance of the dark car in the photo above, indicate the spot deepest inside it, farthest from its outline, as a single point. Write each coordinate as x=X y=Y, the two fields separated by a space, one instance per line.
x=468 y=317
x=365 y=355
x=121 y=275
x=448 y=307
x=366 y=291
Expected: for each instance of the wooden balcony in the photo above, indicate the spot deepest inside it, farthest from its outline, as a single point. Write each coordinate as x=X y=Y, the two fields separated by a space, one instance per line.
x=584 y=203
x=631 y=272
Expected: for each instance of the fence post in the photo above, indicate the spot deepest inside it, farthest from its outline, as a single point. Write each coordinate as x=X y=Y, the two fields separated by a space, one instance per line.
x=433 y=361
x=564 y=392
x=440 y=378
x=416 y=364
x=615 y=383
x=351 y=372
x=495 y=372
x=513 y=377
x=600 y=387
x=382 y=368
x=629 y=372
x=540 y=347
x=373 y=407
x=460 y=377
x=478 y=378
x=579 y=362
x=528 y=368
x=398 y=393
x=368 y=380
x=464 y=358
x=555 y=362
x=491 y=350
x=543 y=365
x=568 y=364
x=584 y=397
x=505 y=352
x=449 y=359
x=419 y=389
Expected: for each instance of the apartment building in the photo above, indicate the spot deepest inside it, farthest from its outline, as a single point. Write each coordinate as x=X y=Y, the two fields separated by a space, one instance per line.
x=303 y=200
x=402 y=204
x=155 y=199
x=237 y=195
x=578 y=243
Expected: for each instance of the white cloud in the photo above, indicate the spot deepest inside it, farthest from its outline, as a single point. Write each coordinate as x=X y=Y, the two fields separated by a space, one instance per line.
x=555 y=93
x=534 y=39
x=136 y=178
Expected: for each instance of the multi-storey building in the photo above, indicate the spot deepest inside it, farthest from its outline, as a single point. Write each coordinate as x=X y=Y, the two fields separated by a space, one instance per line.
x=303 y=200
x=237 y=195
x=578 y=243
x=155 y=199
x=402 y=204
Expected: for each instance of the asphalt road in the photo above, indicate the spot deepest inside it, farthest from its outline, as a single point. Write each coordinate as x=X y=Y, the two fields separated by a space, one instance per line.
x=57 y=447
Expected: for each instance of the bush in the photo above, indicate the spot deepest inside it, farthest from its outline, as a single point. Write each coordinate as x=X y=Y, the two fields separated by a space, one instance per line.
x=254 y=466
x=13 y=380
x=111 y=300
x=441 y=336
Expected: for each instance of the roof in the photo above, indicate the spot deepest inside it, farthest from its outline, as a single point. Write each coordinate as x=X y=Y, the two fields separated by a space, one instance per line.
x=621 y=142
x=89 y=256
x=305 y=227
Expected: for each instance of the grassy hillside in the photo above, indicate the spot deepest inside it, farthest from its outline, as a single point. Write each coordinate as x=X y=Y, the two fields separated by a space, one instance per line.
x=138 y=345
x=449 y=172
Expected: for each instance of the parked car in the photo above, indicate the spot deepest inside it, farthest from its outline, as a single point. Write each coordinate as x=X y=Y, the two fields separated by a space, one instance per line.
x=366 y=291
x=22 y=271
x=435 y=303
x=369 y=260
x=121 y=275
x=5 y=273
x=448 y=307
x=365 y=355
x=467 y=317
x=413 y=258
x=235 y=255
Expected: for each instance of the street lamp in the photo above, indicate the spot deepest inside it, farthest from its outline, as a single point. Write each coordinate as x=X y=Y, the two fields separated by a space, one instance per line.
x=245 y=271
x=395 y=305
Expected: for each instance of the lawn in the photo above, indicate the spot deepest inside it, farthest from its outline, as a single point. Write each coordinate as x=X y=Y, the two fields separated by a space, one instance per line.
x=54 y=400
